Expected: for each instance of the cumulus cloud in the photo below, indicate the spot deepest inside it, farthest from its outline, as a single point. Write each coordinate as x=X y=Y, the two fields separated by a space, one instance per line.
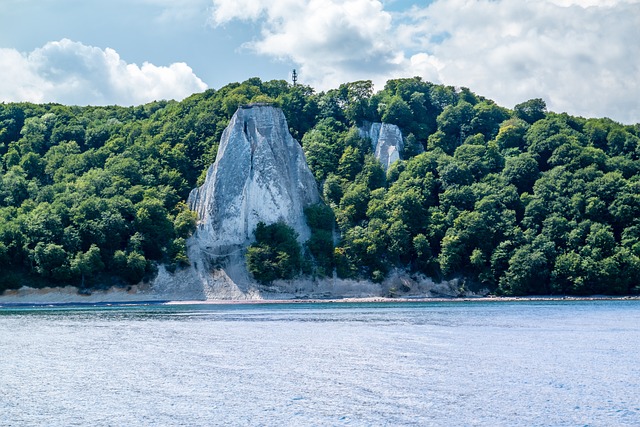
x=73 y=73
x=332 y=40
x=581 y=56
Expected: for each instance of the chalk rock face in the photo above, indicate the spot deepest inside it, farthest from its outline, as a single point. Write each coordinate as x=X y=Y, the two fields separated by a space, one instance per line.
x=260 y=174
x=386 y=140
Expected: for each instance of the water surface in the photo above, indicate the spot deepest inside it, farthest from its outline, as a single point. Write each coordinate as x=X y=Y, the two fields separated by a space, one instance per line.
x=459 y=363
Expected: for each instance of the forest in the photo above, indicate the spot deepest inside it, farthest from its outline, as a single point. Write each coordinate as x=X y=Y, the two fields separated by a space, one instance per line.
x=520 y=201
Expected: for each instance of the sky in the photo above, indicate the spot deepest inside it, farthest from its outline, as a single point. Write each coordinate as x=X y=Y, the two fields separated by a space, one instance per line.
x=580 y=56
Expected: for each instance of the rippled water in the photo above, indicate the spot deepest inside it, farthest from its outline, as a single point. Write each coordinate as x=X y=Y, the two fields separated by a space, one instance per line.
x=479 y=363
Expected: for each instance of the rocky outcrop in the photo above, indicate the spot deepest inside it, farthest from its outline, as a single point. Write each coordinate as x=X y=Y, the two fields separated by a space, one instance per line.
x=260 y=174
x=386 y=140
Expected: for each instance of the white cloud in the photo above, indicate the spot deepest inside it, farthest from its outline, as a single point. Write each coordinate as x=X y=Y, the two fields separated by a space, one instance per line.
x=590 y=3
x=73 y=73
x=332 y=40
x=578 y=57
x=581 y=56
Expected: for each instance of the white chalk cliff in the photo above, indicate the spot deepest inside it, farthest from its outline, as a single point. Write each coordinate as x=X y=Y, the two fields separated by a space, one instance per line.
x=386 y=140
x=260 y=174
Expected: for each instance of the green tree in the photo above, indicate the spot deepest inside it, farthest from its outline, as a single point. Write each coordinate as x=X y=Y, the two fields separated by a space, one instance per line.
x=528 y=272
x=531 y=111
x=487 y=119
x=136 y=267
x=511 y=134
x=350 y=163
x=153 y=222
x=87 y=264
x=455 y=121
x=521 y=171
x=355 y=97
x=51 y=261
x=399 y=113
x=276 y=253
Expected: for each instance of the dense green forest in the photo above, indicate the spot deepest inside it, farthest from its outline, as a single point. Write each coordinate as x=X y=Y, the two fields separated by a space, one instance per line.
x=522 y=201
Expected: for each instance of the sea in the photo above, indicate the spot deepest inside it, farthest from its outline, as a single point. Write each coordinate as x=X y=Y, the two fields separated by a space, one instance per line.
x=459 y=363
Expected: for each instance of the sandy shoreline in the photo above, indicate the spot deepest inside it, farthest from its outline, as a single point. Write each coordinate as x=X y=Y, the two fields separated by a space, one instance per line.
x=408 y=300
x=69 y=297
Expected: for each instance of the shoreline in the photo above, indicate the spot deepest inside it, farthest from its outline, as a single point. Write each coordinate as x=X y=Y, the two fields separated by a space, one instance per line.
x=366 y=300
x=304 y=301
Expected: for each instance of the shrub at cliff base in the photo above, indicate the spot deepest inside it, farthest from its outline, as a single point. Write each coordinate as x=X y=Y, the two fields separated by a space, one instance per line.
x=275 y=253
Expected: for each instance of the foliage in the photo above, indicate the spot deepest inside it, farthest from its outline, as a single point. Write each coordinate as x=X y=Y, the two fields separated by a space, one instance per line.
x=503 y=198
x=276 y=253
x=321 y=220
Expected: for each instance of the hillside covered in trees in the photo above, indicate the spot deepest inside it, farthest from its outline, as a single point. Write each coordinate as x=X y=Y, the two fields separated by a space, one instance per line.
x=522 y=201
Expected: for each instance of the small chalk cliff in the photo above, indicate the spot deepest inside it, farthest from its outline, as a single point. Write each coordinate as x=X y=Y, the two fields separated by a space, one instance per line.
x=386 y=140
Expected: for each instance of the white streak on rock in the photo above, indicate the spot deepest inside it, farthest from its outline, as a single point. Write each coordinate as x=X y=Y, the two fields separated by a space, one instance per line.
x=386 y=140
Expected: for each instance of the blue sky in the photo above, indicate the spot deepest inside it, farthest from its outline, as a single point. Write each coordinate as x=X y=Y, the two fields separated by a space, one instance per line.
x=581 y=56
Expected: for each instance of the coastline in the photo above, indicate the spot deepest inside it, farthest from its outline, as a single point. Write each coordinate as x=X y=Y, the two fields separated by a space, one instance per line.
x=311 y=301
x=365 y=300
x=142 y=295
x=68 y=295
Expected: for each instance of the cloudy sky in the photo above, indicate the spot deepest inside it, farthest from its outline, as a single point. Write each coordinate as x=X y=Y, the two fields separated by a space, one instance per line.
x=580 y=56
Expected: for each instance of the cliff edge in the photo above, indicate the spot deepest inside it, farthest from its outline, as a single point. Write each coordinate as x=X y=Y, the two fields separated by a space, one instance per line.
x=260 y=174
